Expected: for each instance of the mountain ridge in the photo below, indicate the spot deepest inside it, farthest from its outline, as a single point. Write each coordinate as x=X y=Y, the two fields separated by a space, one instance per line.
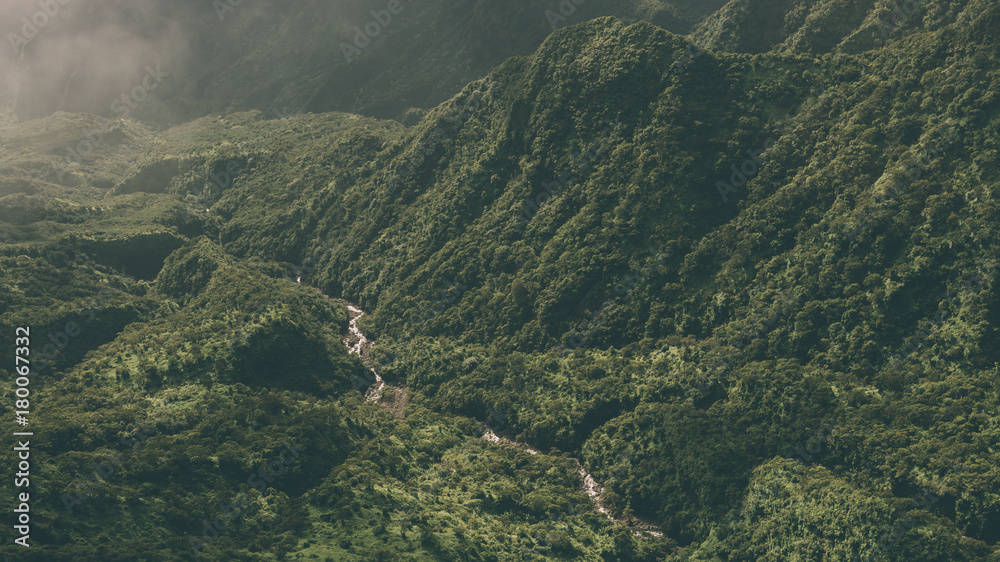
x=800 y=365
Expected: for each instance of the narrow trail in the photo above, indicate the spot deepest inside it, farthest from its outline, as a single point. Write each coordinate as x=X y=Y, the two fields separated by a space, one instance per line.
x=359 y=345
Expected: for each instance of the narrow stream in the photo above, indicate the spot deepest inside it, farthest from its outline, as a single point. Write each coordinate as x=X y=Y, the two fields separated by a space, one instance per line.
x=359 y=345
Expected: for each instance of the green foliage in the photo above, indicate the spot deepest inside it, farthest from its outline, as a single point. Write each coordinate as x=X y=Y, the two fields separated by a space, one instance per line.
x=803 y=369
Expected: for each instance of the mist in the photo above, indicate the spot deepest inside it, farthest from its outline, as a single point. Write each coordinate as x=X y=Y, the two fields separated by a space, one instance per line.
x=220 y=56
x=83 y=56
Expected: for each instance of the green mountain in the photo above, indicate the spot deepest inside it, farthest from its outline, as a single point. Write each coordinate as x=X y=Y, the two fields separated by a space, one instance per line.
x=360 y=56
x=744 y=278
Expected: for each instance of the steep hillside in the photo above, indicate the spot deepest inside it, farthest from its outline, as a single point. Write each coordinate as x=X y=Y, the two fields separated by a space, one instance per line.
x=753 y=292
x=828 y=26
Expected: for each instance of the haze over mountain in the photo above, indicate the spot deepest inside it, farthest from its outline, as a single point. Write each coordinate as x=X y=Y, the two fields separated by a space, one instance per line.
x=634 y=295
x=289 y=55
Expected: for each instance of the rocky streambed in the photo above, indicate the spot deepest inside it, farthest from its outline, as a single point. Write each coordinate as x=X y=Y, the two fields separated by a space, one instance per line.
x=360 y=345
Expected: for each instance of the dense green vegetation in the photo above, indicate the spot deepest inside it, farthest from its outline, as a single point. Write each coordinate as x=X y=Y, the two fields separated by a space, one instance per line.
x=748 y=280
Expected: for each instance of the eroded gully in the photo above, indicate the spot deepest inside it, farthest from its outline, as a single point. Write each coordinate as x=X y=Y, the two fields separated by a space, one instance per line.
x=359 y=345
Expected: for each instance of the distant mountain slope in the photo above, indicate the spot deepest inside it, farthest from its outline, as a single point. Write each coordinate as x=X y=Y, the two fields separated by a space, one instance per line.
x=754 y=292
x=828 y=26
x=292 y=55
x=827 y=250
